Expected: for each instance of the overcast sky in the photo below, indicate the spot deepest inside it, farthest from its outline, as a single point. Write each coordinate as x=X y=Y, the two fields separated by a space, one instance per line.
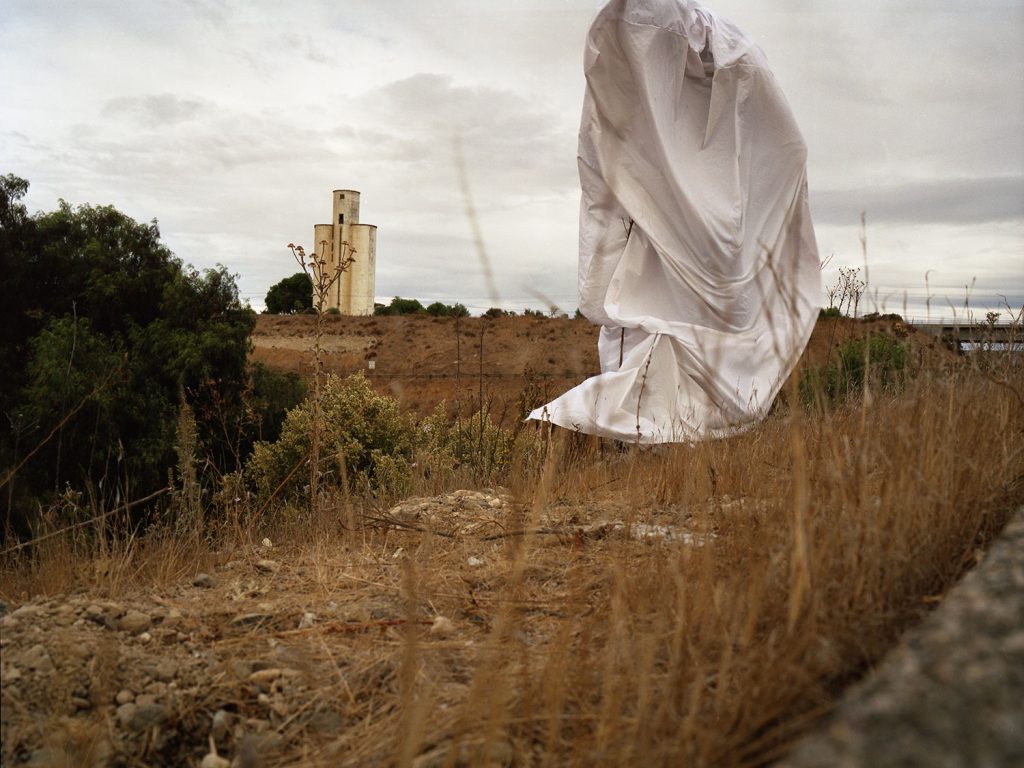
x=230 y=122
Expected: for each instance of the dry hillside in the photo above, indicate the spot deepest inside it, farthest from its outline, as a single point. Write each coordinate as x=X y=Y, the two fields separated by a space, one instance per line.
x=423 y=360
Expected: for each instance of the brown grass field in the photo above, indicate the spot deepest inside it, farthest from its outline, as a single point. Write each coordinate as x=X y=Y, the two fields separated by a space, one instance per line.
x=694 y=605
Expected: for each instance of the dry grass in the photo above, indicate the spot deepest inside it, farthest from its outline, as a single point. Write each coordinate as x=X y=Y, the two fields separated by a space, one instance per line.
x=816 y=539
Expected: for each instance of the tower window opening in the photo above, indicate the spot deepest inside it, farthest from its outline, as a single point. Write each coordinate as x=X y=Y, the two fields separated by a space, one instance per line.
x=341 y=218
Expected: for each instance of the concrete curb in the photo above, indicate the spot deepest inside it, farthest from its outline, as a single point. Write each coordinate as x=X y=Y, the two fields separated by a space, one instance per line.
x=951 y=695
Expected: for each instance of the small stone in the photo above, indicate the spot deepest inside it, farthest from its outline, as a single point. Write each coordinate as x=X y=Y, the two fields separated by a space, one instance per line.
x=164 y=671
x=126 y=713
x=145 y=699
x=148 y=715
x=267 y=544
x=475 y=562
x=442 y=627
x=80 y=703
x=28 y=611
x=145 y=637
x=279 y=707
x=213 y=760
x=268 y=566
x=308 y=620
x=172 y=620
x=124 y=696
x=203 y=581
x=219 y=728
x=135 y=622
x=37 y=658
x=265 y=677
x=94 y=613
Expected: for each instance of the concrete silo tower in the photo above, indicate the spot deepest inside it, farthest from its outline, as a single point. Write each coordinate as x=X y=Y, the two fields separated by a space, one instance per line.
x=353 y=293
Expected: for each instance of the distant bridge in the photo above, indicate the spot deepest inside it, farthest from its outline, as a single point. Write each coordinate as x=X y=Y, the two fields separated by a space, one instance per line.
x=974 y=332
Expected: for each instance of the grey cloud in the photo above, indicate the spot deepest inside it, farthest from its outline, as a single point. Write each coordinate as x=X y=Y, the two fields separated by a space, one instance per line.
x=942 y=201
x=156 y=109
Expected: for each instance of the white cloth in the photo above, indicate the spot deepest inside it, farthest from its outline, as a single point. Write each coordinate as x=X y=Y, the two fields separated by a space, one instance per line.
x=697 y=253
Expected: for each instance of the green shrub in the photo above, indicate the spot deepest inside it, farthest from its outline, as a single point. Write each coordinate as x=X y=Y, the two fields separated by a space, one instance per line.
x=830 y=312
x=489 y=452
x=364 y=429
x=884 y=358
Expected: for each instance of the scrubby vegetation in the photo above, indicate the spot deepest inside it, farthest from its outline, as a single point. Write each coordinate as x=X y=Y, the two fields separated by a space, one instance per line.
x=400 y=306
x=103 y=334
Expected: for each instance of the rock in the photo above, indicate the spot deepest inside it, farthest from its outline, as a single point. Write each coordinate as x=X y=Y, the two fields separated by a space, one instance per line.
x=29 y=611
x=165 y=670
x=37 y=658
x=203 y=581
x=80 y=703
x=220 y=726
x=308 y=620
x=268 y=566
x=135 y=622
x=475 y=562
x=145 y=637
x=213 y=760
x=145 y=699
x=172 y=620
x=442 y=627
x=94 y=613
x=124 y=696
x=126 y=713
x=147 y=716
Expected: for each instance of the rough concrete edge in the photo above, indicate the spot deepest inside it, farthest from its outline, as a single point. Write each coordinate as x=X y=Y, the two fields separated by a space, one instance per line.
x=952 y=692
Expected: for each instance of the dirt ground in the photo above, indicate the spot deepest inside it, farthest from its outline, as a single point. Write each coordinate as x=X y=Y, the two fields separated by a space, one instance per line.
x=278 y=656
x=510 y=362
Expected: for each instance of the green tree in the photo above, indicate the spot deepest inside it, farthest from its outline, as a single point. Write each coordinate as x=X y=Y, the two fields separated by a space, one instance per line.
x=101 y=331
x=400 y=306
x=293 y=294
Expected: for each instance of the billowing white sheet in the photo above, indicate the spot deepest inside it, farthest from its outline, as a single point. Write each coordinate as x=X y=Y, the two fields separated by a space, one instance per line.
x=697 y=254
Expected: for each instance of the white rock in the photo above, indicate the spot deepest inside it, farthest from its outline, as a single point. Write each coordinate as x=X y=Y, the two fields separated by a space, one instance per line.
x=474 y=562
x=442 y=627
x=308 y=620
x=267 y=544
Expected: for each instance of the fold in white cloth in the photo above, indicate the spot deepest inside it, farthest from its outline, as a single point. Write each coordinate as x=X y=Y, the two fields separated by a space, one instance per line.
x=697 y=253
